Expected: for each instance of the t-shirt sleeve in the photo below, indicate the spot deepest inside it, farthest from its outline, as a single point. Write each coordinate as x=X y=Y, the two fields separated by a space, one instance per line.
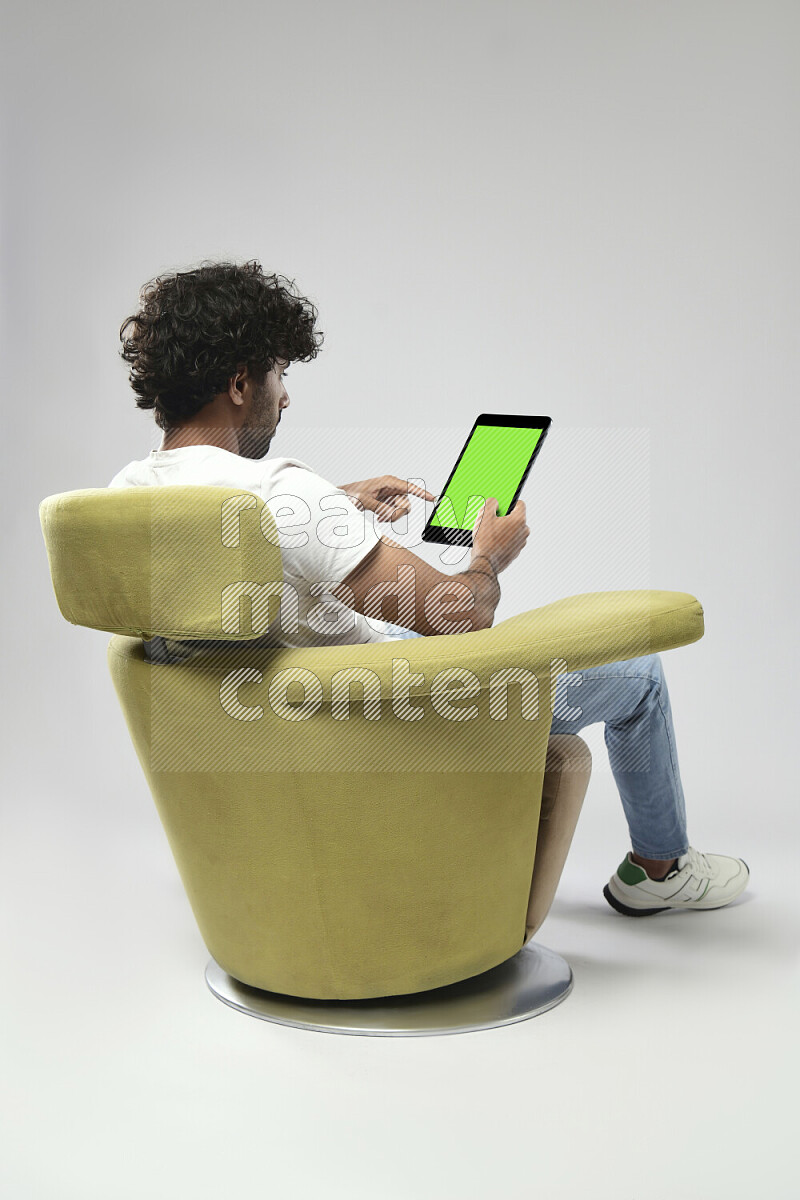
x=321 y=532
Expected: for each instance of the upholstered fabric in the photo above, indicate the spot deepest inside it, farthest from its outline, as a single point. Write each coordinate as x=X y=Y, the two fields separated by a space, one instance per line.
x=349 y=822
x=568 y=768
x=163 y=560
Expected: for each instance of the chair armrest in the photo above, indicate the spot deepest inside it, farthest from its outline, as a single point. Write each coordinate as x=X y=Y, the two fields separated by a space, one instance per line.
x=601 y=627
x=579 y=631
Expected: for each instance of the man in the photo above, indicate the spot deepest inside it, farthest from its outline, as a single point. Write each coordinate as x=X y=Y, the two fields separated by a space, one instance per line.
x=209 y=351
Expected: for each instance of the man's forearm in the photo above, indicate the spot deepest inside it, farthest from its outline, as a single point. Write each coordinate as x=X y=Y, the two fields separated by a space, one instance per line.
x=427 y=601
x=481 y=578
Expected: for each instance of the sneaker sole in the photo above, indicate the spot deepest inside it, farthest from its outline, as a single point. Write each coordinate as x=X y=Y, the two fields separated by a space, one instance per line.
x=626 y=910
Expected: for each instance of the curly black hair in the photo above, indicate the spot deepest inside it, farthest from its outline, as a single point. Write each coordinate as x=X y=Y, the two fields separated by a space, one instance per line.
x=196 y=329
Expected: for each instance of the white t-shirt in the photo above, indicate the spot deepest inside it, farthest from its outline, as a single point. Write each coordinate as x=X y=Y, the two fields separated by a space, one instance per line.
x=322 y=536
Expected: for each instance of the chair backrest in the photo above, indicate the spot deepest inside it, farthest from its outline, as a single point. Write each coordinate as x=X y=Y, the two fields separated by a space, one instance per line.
x=186 y=561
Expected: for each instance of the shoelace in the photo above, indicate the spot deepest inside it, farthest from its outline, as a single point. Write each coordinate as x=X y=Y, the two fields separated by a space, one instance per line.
x=699 y=864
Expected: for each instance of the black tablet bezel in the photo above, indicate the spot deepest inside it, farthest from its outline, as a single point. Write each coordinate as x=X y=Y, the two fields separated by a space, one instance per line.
x=463 y=537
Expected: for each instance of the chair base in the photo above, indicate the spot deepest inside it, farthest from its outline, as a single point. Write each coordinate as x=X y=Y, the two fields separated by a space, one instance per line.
x=530 y=983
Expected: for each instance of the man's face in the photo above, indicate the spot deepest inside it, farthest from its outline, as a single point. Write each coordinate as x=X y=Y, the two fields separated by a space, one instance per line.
x=258 y=429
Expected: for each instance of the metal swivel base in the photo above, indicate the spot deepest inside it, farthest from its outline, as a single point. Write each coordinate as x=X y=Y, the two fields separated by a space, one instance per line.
x=524 y=986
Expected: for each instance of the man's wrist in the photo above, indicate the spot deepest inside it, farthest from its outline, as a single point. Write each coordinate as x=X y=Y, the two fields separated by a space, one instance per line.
x=486 y=601
x=486 y=575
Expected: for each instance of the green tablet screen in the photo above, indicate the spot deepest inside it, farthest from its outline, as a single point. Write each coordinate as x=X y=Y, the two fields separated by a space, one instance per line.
x=492 y=464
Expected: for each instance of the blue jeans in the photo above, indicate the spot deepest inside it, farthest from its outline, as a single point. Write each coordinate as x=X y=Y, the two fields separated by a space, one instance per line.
x=631 y=697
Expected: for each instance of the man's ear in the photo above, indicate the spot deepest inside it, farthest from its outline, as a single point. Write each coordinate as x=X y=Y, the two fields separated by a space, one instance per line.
x=235 y=382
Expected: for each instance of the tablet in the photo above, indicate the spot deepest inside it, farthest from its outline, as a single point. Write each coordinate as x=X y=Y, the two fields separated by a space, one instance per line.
x=495 y=461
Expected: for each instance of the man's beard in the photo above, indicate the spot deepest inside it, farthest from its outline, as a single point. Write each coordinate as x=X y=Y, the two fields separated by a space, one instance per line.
x=254 y=441
x=255 y=438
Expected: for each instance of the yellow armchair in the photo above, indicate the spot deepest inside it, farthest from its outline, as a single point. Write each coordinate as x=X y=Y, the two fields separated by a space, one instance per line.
x=369 y=836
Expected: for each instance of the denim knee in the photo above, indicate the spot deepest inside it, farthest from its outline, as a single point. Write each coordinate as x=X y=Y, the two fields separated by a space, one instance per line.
x=648 y=665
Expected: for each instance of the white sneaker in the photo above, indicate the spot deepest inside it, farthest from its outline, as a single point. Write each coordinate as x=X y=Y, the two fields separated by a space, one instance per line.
x=696 y=881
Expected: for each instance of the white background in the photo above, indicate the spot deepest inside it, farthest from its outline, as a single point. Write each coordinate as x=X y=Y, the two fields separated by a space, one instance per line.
x=583 y=209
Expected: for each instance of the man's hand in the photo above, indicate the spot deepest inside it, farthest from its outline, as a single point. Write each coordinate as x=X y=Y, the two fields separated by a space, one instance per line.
x=499 y=539
x=379 y=495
